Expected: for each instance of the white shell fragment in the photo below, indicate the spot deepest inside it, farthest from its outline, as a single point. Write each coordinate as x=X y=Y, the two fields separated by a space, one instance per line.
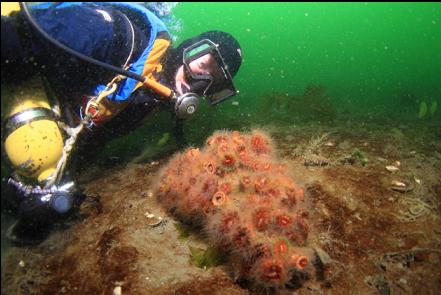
x=153 y=220
x=392 y=168
x=401 y=186
x=117 y=290
x=398 y=183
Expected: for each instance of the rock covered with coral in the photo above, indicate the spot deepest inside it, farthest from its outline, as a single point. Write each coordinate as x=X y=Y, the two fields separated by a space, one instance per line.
x=243 y=197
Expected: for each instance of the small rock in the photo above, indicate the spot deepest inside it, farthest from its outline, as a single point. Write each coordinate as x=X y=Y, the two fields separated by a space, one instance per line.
x=392 y=168
x=146 y=194
x=323 y=256
x=325 y=212
x=368 y=279
x=381 y=160
x=117 y=290
x=344 y=145
x=403 y=281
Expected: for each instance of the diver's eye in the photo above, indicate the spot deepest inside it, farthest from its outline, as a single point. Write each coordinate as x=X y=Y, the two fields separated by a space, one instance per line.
x=203 y=68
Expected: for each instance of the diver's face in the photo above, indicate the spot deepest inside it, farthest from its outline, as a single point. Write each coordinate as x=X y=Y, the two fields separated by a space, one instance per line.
x=203 y=65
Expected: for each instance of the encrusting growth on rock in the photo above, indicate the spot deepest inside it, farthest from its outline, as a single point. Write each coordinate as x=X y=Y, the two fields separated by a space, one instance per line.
x=242 y=196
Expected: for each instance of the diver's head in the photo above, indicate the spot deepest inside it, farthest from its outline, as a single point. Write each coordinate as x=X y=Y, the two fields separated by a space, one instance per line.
x=209 y=61
x=228 y=47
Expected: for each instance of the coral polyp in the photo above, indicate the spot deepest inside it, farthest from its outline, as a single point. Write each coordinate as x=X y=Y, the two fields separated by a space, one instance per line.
x=262 y=219
x=229 y=220
x=273 y=271
x=225 y=187
x=280 y=247
x=261 y=183
x=219 y=198
x=246 y=202
x=299 y=261
x=228 y=160
x=284 y=220
x=209 y=167
x=259 y=143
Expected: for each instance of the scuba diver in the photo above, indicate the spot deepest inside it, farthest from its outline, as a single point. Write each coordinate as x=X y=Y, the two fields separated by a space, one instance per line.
x=105 y=67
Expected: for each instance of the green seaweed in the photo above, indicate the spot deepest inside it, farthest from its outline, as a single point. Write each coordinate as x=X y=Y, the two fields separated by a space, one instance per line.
x=423 y=110
x=164 y=139
x=205 y=258
x=433 y=107
x=359 y=156
x=183 y=230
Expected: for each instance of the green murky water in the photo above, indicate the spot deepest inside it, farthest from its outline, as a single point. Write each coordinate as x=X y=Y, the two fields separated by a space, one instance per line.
x=366 y=54
x=373 y=60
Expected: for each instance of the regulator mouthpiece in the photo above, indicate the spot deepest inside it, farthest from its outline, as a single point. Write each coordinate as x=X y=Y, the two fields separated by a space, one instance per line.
x=186 y=105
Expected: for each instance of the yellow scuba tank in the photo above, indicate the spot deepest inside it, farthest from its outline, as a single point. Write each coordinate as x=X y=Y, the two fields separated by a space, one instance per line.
x=8 y=7
x=33 y=141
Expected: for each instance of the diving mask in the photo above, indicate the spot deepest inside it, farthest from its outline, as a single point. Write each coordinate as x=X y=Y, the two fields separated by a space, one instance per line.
x=216 y=84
